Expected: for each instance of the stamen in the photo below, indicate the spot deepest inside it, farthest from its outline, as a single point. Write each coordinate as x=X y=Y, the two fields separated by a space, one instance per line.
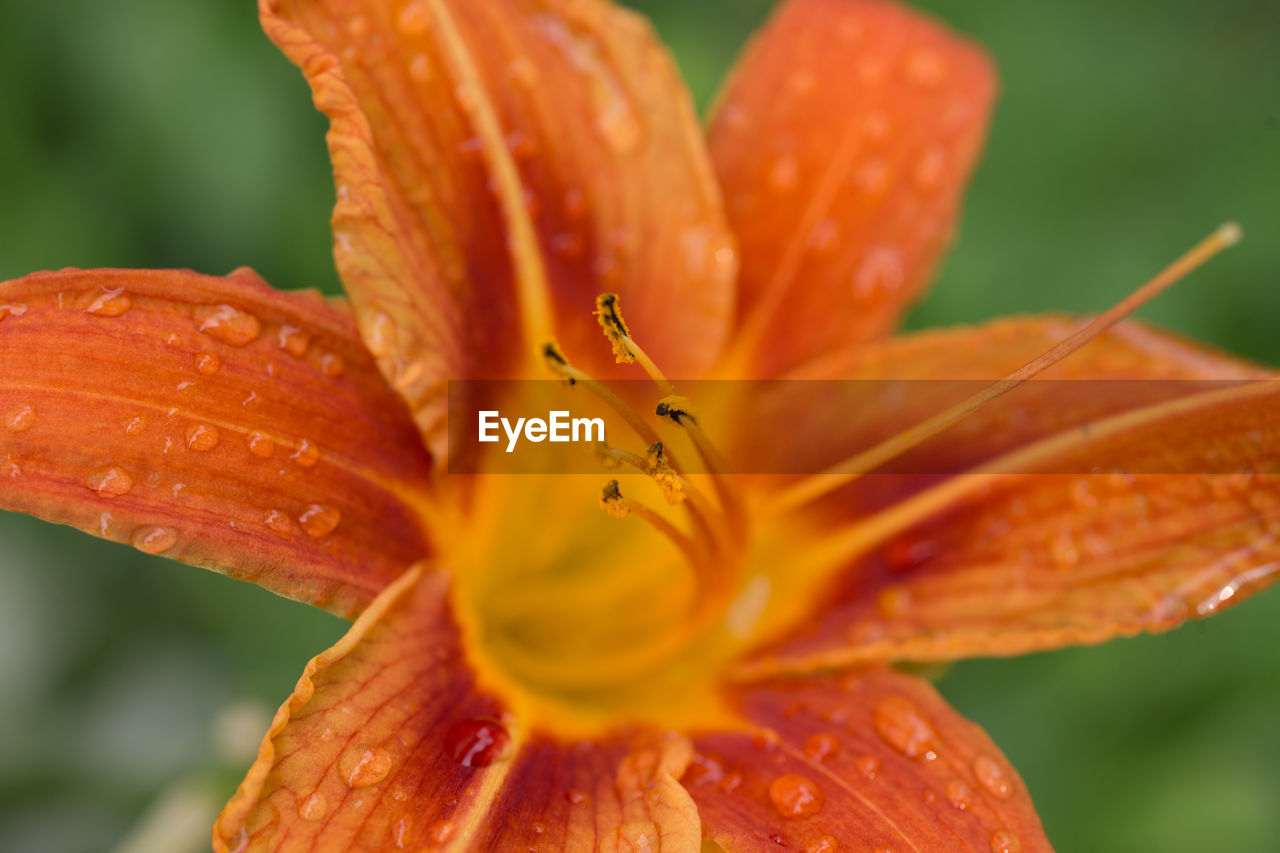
x=850 y=469
x=680 y=411
x=613 y=502
x=559 y=364
x=625 y=349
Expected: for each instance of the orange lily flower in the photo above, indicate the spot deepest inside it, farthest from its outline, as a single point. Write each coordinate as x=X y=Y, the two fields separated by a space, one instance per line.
x=523 y=671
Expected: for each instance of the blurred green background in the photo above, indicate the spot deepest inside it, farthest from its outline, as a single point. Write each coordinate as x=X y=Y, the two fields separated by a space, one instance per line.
x=150 y=133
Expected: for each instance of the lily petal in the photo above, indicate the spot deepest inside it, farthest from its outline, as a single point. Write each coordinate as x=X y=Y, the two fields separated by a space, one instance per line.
x=212 y=420
x=872 y=760
x=1181 y=520
x=843 y=143
x=499 y=161
x=389 y=743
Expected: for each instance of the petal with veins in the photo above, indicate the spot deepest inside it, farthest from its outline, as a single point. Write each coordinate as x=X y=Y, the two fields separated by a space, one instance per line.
x=843 y=142
x=212 y=420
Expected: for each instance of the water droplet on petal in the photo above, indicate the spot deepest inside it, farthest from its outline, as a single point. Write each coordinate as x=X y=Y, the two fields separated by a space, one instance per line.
x=825 y=236
x=476 y=743
x=261 y=445
x=638 y=837
x=380 y=335
x=293 y=340
x=414 y=19
x=868 y=766
x=319 y=520
x=363 y=766
x=825 y=844
x=796 y=796
x=784 y=174
x=821 y=746
x=278 y=523
x=20 y=418
x=109 y=481
x=305 y=454
x=905 y=728
x=228 y=324
x=925 y=68
x=1004 y=841
x=313 y=807
x=331 y=365
x=208 y=363
x=420 y=68
x=881 y=270
x=959 y=794
x=136 y=426
x=108 y=303
x=577 y=797
x=930 y=170
x=154 y=539
x=523 y=72
x=202 y=437
x=12 y=308
x=992 y=776
x=441 y=831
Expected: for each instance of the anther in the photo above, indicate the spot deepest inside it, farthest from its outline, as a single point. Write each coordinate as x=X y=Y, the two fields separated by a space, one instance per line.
x=611 y=500
x=678 y=409
x=615 y=328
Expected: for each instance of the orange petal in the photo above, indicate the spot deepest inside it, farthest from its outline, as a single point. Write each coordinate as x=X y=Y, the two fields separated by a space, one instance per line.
x=843 y=143
x=1180 y=520
x=508 y=155
x=212 y=420
x=837 y=407
x=387 y=743
x=873 y=760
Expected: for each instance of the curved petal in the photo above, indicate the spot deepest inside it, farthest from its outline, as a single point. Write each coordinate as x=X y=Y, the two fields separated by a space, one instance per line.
x=839 y=406
x=1134 y=523
x=872 y=760
x=212 y=420
x=389 y=743
x=843 y=143
x=498 y=161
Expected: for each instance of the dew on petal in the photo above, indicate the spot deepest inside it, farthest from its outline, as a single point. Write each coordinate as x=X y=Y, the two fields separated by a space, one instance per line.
x=331 y=365
x=420 y=68
x=992 y=776
x=905 y=728
x=109 y=303
x=825 y=844
x=401 y=830
x=20 y=418
x=638 y=837
x=154 y=539
x=821 y=746
x=784 y=174
x=305 y=454
x=441 y=831
x=319 y=520
x=959 y=794
x=925 y=68
x=109 y=481
x=930 y=169
x=414 y=18
x=14 y=309
x=278 y=523
x=252 y=402
x=796 y=796
x=293 y=340
x=868 y=766
x=523 y=72
x=881 y=270
x=202 y=437
x=228 y=324
x=1004 y=841
x=208 y=363
x=313 y=807
x=363 y=766
x=380 y=334
x=260 y=445
x=476 y=743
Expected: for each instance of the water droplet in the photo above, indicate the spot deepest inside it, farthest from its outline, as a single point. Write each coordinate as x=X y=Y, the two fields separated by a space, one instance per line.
x=574 y=203
x=796 y=796
x=930 y=169
x=638 y=837
x=925 y=68
x=959 y=794
x=362 y=766
x=825 y=844
x=868 y=766
x=476 y=743
x=521 y=146
x=441 y=831
x=420 y=68
x=992 y=776
x=784 y=174
x=260 y=445
x=253 y=402
x=1063 y=550
x=523 y=72
x=228 y=324
x=278 y=523
x=154 y=539
x=202 y=437
x=20 y=418
x=882 y=270
x=801 y=83
x=577 y=797
x=293 y=340
x=402 y=828
x=905 y=728
x=331 y=365
x=109 y=303
x=380 y=335
x=357 y=25
x=313 y=807
x=305 y=454
x=1004 y=841
x=208 y=363
x=821 y=746
x=319 y=520
x=414 y=19
x=825 y=236
x=109 y=481
x=12 y=308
